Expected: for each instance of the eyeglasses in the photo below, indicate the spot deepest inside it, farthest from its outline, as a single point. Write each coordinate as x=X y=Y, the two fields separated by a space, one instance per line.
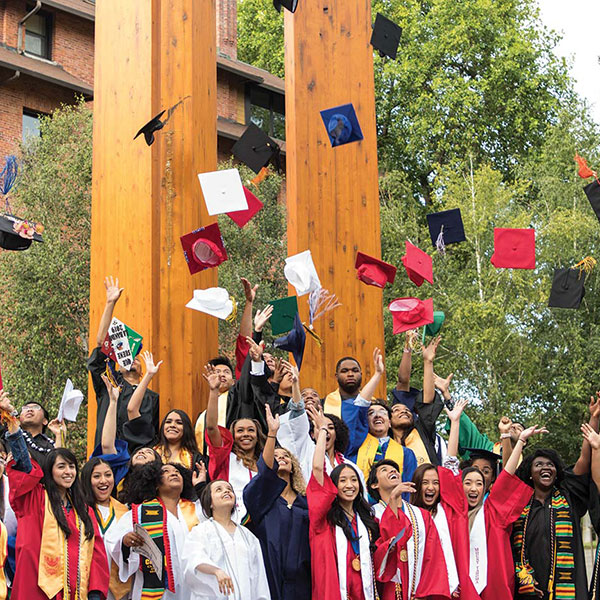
x=30 y=407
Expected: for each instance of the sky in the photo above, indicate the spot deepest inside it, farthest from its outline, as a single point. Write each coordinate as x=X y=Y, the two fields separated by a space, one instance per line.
x=578 y=21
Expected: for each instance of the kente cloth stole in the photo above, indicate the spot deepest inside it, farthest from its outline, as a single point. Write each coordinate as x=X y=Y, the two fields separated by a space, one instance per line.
x=153 y=518
x=368 y=450
x=561 y=582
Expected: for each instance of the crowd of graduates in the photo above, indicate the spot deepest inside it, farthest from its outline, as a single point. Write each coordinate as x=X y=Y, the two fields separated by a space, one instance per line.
x=284 y=492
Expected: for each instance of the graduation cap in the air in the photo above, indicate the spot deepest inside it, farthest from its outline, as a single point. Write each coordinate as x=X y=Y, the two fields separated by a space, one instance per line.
x=386 y=36
x=568 y=288
x=514 y=248
x=290 y=5
x=284 y=313
x=446 y=227
x=373 y=271
x=17 y=234
x=203 y=248
x=256 y=149
x=592 y=191
x=342 y=125
x=156 y=124
x=475 y=453
x=418 y=265
x=300 y=272
x=294 y=341
x=214 y=301
x=410 y=313
x=434 y=328
x=241 y=217
x=223 y=191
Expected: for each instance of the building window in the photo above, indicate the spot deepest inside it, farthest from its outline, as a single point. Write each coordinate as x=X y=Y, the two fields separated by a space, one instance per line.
x=266 y=110
x=31 y=124
x=37 y=35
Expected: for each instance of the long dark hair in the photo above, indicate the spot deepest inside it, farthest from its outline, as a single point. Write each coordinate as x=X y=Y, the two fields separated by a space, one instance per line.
x=416 y=498
x=337 y=516
x=125 y=494
x=188 y=438
x=342 y=434
x=524 y=470
x=261 y=438
x=206 y=498
x=74 y=493
x=144 y=486
x=86 y=479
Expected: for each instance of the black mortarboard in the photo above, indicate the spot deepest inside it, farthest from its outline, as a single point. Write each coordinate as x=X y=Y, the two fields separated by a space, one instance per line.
x=386 y=36
x=255 y=149
x=592 y=191
x=475 y=453
x=10 y=239
x=446 y=227
x=150 y=127
x=567 y=288
x=290 y=5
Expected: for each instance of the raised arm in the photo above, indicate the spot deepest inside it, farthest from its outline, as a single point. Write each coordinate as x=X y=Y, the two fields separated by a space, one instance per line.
x=135 y=402
x=428 y=380
x=582 y=465
x=593 y=439
x=113 y=293
x=443 y=385
x=14 y=436
x=272 y=429
x=109 y=429
x=368 y=391
x=403 y=384
x=513 y=462
x=454 y=416
x=504 y=429
x=261 y=318
x=212 y=410
x=246 y=322
x=320 y=427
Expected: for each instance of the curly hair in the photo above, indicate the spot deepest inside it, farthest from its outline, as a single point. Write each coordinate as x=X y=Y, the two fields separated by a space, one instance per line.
x=524 y=470
x=125 y=494
x=297 y=482
x=188 y=437
x=261 y=438
x=342 y=434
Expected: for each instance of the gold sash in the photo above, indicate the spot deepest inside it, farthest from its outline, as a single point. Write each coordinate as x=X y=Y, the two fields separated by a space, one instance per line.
x=188 y=510
x=3 y=555
x=184 y=458
x=221 y=419
x=118 y=588
x=415 y=443
x=366 y=454
x=52 y=566
x=333 y=404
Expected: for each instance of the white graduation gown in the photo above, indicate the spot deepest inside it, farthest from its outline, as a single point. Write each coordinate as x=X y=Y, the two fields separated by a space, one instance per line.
x=239 y=555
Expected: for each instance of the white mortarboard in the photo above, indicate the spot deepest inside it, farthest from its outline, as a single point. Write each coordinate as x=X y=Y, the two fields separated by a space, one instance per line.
x=70 y=403
x=300 y=271
x=213 y=301
x=223 y=191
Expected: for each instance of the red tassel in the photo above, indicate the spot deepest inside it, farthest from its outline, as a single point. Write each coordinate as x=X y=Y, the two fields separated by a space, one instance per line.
x=584 y=171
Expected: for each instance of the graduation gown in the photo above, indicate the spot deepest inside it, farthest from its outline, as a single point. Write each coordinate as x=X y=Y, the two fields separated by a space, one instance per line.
x=417 y=560
x=282 y=532
x=240 y=556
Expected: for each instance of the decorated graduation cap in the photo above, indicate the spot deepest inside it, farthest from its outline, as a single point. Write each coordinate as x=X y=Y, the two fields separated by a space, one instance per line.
x=342 y=125
x=284 y=313
x=410 y=313
x=434 y=328
x=300 y=272
x=290 y=5
x=121 y=344
x=373 y=271
x=446 y=227
x=214 y=301
x=203 y=248
x=223 y=191
x=418 y=265
x=256 y=149
x=241 y=217
x=514 y=248
x=294 y=341
x=386 y=36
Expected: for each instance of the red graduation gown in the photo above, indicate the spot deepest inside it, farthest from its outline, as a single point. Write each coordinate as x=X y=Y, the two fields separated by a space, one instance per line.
x=433 y=584
x=27 y=499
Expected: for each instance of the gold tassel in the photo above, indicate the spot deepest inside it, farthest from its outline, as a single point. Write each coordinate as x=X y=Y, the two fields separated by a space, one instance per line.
x=233 y=314
x=586 y=265
x=315 y=336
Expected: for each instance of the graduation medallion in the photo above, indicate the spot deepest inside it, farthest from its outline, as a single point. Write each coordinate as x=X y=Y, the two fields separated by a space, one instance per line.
x=403 y=555
x=356 y=563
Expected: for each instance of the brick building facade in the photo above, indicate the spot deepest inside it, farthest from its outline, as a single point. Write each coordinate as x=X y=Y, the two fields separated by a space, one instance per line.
x=47 y=59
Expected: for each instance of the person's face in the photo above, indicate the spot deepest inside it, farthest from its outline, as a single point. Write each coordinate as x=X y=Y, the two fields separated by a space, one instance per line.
x=387 y=478
x=331 y=436
x=474 y=488
x=173 y=428
x=516 y=429
x=402 y=417
x=283 y=460
x=171 y=480
x=543 y=473
x=311 y=398
x=379 y=421
x=102 y=482
x=63 y=473
x=142 y=457
x=349 y=376
x=222 y=495
x=270 y=361
x=348 y=485
x=285 y=385
x=32 y=415
x=136 y=366
x=245 y=434
x=430 y=488
x=225 y=378
x=488 y=470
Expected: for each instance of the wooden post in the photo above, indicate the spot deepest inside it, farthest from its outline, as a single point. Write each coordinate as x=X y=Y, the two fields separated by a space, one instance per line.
x=332 y=193
x=150 y=55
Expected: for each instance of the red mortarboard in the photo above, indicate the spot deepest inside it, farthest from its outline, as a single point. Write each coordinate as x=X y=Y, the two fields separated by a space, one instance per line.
x=203 y=248
x=514 y=248
x=411 y=313
x=418 y=264
x=241 y=217
x=373 y=271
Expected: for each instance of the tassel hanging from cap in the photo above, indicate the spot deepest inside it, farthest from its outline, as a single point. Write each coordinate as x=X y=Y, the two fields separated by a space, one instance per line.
x=439 y=243
x=262 y=175
x=111 y=375
x=320 y=301
x=586 y=265
x=313 y=334
x=8 y=175
x=584 y=170
x=233 y=314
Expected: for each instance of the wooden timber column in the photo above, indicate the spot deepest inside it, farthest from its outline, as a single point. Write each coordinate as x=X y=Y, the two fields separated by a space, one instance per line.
x=332 y=193
x=149 y=55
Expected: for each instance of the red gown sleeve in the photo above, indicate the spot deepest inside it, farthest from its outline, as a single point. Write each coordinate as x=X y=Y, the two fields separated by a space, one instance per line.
x=319 y=497
x=99 y=573
x=507 y=499
x=434 y=575
x=389 y=527
x=218 y=456
x=241 y=351
x=25 y=488
x=451 y=490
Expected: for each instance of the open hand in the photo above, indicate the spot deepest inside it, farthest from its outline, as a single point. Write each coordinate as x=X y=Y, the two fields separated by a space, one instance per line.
x=212 y=377
x=249 y=291
x=378 y=361
x=430 y=350
x=199 y=473
x=113 y=291
x=262 y=316
x=457 y=411
x=443 y=384
x=151 y=368
x=272 y=421
x=591 y=436
x=533 y=430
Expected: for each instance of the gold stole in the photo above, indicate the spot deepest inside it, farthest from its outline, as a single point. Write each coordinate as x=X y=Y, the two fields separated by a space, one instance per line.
x=184 y=458
x=52 y=565
x=3 y=555
x=415 y=443
x=366 y=454
x=333 y=404
x=118 y=588
x=188 y=510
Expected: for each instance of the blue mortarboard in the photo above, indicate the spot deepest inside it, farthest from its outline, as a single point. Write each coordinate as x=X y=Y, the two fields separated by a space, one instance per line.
x=445 y=228
x=406 y=398
x=294 y=341
x=342 y=125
